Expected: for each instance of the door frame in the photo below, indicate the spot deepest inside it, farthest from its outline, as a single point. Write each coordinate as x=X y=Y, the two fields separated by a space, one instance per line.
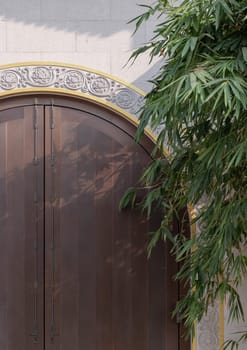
x=121 y=102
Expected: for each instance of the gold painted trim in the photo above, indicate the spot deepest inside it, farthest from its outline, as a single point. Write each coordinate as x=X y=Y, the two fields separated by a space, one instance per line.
x=192 y=216
x=193 y=233
x=221 y=324
x=194 y=343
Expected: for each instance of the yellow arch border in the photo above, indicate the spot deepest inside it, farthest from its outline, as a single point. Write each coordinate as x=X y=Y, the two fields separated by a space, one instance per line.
x=128 y=116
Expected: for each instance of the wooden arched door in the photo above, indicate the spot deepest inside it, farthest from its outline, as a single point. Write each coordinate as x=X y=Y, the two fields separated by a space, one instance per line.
x=73 y=268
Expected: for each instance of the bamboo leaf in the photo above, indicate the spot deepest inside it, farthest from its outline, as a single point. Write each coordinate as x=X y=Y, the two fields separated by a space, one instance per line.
x=198 y=107
x=244 y=51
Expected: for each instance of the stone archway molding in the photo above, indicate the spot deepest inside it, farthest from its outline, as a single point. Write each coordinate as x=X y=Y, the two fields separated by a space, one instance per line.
x=89 y=84
x=23 y=77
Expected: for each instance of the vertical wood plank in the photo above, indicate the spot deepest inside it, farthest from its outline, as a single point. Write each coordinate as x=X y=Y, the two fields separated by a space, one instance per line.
x=19 y=223
x=86 y=212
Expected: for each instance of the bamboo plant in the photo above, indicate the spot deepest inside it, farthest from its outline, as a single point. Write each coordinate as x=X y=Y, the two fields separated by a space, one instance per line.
x=198 y=101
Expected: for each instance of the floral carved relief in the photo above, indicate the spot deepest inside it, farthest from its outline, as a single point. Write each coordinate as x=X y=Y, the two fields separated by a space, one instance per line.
x=72 y=79
x=208 y=330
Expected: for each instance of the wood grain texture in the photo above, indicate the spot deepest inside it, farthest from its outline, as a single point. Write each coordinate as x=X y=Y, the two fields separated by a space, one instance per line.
x=99 y=290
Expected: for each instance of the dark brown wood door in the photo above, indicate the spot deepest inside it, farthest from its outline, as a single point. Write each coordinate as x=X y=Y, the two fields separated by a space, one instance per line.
x=21 y=228
x=73 y=268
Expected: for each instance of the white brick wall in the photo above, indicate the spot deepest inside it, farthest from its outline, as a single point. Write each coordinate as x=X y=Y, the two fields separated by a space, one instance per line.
x=93 y=34
x=38 y=38
x=76 y=10
x=84 y=32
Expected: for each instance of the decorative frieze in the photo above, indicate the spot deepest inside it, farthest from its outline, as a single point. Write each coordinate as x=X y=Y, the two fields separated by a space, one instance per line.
x=72 y=79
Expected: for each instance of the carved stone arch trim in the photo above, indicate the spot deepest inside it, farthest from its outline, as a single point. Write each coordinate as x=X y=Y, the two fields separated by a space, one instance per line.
x=72 y=79
x=51 y=77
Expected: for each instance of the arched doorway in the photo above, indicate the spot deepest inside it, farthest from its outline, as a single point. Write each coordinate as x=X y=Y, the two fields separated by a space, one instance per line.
x=73 y=268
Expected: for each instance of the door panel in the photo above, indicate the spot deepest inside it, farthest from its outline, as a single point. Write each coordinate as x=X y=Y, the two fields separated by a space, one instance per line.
x=105 y=293
x=21 y=234
x=73 y=268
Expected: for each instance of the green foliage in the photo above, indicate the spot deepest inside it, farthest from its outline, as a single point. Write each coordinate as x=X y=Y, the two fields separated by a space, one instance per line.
x=199 y=97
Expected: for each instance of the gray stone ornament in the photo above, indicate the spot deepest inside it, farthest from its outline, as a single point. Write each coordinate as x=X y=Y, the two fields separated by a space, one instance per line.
x=77 y=80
